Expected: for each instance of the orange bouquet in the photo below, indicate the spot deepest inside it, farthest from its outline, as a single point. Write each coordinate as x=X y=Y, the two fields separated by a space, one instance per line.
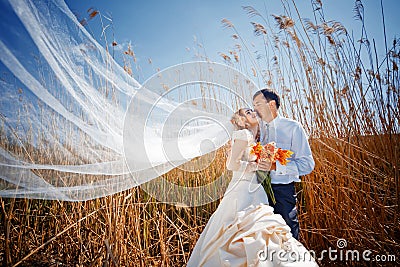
x=271 y=153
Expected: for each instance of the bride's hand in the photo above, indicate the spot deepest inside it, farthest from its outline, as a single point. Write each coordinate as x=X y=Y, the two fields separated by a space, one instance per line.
x=266 y=165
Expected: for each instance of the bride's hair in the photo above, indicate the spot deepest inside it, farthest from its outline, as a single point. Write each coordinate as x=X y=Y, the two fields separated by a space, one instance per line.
x=239 y=121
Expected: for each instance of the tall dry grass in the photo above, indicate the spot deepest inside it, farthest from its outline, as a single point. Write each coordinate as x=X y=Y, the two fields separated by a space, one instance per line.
x=345 y=96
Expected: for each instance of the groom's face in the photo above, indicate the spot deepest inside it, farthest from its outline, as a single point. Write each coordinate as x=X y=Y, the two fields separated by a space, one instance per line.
x=263 y=107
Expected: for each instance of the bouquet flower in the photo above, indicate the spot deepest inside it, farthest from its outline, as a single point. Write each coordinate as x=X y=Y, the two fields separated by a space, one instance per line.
x=272 y=153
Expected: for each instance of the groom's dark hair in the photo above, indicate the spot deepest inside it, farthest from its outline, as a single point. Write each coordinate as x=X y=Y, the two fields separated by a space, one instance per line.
x=269 y=95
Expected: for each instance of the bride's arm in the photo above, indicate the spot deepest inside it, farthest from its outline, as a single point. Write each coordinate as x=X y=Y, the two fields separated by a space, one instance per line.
x=234 y=162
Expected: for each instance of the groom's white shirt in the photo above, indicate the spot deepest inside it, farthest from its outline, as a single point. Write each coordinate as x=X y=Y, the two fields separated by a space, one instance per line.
x=288 y=134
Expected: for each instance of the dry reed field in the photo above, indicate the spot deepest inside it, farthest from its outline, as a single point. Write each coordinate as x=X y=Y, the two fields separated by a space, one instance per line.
x=334 y=84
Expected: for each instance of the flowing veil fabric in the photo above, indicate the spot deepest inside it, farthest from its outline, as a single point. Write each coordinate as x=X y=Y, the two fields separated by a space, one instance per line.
x=75 y=126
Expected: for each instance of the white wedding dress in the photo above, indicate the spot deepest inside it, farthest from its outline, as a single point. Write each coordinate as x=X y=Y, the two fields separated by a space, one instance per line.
x=244 y=231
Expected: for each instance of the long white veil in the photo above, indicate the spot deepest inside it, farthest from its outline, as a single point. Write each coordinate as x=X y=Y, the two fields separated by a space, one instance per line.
x=75 y=126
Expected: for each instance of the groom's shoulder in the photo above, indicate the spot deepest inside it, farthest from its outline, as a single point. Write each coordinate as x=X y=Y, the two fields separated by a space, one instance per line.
x=290 y=121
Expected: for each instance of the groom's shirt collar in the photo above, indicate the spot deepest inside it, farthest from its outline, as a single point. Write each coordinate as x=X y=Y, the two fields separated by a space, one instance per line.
x=274 y=121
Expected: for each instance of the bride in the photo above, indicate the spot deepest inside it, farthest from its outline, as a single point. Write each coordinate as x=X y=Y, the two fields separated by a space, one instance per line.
x=244 y=231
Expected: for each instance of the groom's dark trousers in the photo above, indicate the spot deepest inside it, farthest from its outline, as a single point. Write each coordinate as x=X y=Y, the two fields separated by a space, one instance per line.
x=285 y=197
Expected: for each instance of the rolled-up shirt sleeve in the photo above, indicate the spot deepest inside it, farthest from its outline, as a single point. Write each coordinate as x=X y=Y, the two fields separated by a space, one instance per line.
x=302 y=161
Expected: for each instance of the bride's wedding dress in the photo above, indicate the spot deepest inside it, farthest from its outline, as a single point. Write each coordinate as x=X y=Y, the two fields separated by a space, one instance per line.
x=244 y=231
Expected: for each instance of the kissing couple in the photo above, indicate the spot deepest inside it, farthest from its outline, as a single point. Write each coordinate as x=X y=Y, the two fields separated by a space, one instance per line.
x=249 y=228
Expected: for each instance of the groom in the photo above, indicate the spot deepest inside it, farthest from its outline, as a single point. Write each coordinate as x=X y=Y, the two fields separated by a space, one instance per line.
x=287 y=134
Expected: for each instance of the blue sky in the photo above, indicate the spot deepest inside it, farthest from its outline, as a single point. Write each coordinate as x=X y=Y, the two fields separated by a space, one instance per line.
x=164 y=31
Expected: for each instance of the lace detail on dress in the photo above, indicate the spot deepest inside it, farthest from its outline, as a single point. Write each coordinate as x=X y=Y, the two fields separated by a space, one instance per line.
x=244 y=135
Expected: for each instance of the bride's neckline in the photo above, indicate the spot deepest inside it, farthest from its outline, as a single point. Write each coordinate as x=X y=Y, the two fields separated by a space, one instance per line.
x=255 y=134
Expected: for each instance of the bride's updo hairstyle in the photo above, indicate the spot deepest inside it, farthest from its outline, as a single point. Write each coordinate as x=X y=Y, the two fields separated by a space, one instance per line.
x=239 y=120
